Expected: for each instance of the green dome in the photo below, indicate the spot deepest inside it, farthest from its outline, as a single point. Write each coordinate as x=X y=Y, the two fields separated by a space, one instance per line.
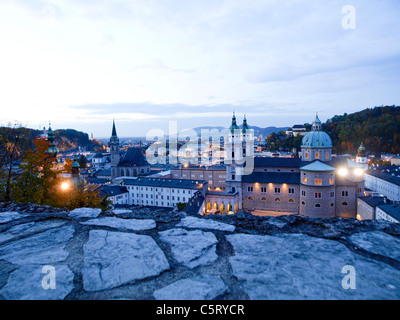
x=234 y=126
x=316 y=139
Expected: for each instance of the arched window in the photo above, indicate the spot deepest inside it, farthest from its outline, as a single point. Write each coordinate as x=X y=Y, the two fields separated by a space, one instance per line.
x=306 y=154
x=303 y=203
x=291 y=200
x=263 y=199
x=332 y=204
x=327 y=155
x=344 y=203
x=304 y=180
x=277 y=200
x=318 y=205
x=250 y=198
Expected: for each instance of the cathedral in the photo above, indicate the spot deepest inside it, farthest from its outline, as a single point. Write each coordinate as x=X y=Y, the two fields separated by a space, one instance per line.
x=130 y=164
x=314 y=184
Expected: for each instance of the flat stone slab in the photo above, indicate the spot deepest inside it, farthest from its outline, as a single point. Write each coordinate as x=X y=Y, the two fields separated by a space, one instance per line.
x=204 y=287
x=42 y=248
x=191 y=248
x=296 y=266
x=378 y=242
x=114 y=258
x=123 y=224
x=29 y=228
x=197 y=223
x=10 y=216
x=85 y=213
x=26 y=283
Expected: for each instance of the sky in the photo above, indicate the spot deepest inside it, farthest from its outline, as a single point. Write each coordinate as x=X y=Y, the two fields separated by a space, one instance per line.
x=79 y=64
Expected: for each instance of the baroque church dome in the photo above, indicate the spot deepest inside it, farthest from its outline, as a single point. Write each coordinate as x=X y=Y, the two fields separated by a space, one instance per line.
x=316 y=138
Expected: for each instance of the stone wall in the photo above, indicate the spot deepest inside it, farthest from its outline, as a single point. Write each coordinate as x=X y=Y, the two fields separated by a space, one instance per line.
x=147 y=253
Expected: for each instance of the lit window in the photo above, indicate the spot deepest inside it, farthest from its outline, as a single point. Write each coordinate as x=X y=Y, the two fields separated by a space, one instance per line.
x=327 y=155
x=263 y=199
x=291 y=200
x=305 y=180
x=331 y=181
x=277 y=200
x=250 y=198
x=317 y=155
x=318 y=182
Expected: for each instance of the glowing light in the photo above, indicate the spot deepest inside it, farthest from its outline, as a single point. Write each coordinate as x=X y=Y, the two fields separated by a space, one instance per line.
x=64 y=186
x=343 y=172
x=358 y=172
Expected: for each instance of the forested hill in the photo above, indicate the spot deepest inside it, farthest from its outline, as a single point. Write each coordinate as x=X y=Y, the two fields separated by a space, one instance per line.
x=378 y=128
x=66 y=139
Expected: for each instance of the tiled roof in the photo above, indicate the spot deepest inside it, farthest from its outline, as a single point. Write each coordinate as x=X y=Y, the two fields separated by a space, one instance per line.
x=132 y=158
x=373 y=201
x=112 y=190
x=317 y=166
x=166 y=183
x=272 y=177
x=391 y=209
x=385 y=176
x=277 y=162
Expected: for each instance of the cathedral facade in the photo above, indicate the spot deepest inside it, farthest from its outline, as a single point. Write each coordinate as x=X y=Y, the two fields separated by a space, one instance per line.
x=313 y=185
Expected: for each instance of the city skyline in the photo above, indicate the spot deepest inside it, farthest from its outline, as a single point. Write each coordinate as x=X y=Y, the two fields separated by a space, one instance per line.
x=279 y=62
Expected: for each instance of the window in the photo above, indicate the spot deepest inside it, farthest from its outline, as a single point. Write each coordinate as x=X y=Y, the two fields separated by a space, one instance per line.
x=345 y=193
x=359 y=190
x=277 y=200
x=250 y=198
x=277 y=190
x=263 y=199
x=306 y=154
x=303 y=193
x=327 y=155
x=291 y=190
x=331 y=181
x=263 y=189
x=233 y=177
x=304 y=180
x=250 y=189
x=318 y=195
x=303 y=203
x=344 y=203
x=332 y=204
x=318 y=182
x=317 y=155
x=291 y=200
x=318 y=205
x=332 y=194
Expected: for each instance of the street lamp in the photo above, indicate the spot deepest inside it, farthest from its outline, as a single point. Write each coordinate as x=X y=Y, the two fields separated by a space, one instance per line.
x=64 y=186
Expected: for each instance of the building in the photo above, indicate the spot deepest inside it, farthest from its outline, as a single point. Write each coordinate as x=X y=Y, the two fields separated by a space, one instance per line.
x=366 y=207
x=159 y=192
x=362 y=156
x=314 y=185
x=118 y=195
x=389 y=212
x=386 y=184
x=131 y=164
x=395 y=161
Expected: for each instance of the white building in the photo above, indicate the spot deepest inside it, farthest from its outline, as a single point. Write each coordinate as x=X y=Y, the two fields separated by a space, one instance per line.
x=116 y=194
x=386 y=184
x=162 y=192
x=389 y=212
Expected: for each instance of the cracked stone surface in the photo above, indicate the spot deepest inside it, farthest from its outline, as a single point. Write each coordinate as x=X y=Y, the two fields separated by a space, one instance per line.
x=191 y=248
x=378 y=242
x=196 y=223
x=9 y=216
x=114 y=258
x=297 y=266
x=152 y=253
x=26 y=284
x=123 y=224
x=203 y=287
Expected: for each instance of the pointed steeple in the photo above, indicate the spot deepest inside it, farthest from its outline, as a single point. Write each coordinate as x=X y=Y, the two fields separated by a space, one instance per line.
x=114 y=131
x=316 y=126
x=233 y=126
x=245 y=127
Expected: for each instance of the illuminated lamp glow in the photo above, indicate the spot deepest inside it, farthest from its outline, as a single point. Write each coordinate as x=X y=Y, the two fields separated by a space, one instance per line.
x=343 y=172
x=64 y=186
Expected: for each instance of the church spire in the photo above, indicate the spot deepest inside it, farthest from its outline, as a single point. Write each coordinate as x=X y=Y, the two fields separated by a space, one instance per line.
x=114 y=131
x=316 y=126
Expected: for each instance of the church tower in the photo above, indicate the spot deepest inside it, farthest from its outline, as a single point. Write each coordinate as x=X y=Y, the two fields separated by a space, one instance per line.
x=362 y=156
x=114 y=152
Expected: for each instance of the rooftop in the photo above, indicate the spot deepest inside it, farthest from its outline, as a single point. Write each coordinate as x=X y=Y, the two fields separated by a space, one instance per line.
x=385 y=176
x=373 y=201
x=272 y=177
x=166 y=183
x=317 y=166
x=392 y=210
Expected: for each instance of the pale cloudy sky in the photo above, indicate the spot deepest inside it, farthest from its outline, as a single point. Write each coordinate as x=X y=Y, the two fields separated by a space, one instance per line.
x=145 y=62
